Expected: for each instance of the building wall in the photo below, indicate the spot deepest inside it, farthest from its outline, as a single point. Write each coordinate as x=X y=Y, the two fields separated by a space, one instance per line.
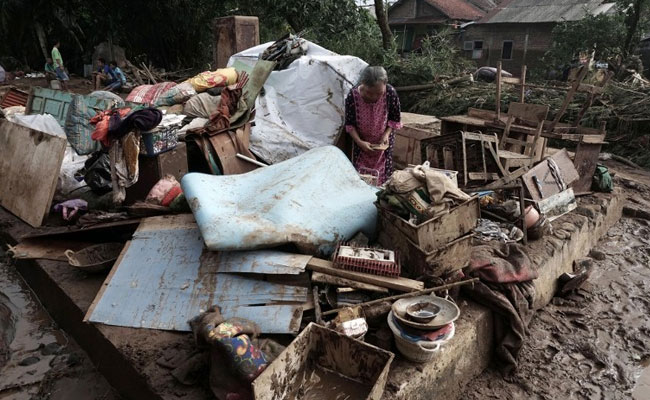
x=530 y=42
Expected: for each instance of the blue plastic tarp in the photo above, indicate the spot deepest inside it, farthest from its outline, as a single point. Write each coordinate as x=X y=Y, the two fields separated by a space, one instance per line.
x=313 y=200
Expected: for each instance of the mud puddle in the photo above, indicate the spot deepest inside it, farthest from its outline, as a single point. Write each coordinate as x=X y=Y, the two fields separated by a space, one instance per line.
x=595 y=343
x=38 y=360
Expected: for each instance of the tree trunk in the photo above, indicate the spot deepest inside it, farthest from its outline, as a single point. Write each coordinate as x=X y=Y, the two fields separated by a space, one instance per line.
x=632 y=22
x=42 y=41
x=382 y=20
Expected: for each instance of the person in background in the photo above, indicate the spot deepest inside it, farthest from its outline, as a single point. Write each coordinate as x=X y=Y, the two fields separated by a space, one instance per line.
x=120 y=78
x=104 y=75
x=372 y=113
x=59 y=69
x=50 y=71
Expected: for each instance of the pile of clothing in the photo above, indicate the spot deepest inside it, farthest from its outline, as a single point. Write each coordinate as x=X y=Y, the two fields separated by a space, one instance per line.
x=420 y=193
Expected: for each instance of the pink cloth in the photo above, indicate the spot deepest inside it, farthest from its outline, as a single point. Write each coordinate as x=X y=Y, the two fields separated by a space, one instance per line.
x=372 y=120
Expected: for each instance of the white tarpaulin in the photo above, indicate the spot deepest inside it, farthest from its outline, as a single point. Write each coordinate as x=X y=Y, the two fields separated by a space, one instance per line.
x=302 y=107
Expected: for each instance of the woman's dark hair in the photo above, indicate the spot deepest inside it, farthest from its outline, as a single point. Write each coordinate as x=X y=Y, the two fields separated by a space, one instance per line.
x=103 y=61
x=113 y=63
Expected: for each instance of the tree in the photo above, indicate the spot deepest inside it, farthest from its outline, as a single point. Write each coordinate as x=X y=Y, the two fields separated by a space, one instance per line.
x=382 y=20
x=636 y=19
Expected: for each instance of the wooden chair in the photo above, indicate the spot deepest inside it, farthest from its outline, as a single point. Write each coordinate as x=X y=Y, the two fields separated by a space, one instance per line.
x=520 y=150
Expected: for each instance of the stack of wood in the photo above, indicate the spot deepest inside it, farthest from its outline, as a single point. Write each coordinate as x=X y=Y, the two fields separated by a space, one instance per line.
x=148 y=75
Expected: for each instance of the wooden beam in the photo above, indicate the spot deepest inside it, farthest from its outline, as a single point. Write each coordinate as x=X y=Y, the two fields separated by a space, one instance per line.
x=343 y=282
x=498 y=98
x=401 y=284
x=522 y=94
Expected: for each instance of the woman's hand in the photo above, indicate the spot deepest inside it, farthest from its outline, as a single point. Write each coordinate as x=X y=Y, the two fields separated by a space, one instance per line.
x=365 y=146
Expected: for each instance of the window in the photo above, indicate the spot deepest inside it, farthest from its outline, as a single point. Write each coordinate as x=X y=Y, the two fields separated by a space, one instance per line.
x=469 y=45
x=506 y=52
x=477 y=50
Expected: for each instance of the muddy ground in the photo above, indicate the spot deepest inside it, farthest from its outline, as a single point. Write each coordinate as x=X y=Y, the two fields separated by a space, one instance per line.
x=38 y=361
x=594 y=343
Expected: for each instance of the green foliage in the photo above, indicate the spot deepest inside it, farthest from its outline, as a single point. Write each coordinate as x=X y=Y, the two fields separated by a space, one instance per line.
x=604 y=34
x=439 y=58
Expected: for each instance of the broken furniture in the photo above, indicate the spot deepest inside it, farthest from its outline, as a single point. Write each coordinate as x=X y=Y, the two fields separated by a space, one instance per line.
x=313 y=200
x=368 y=260
x=153 y=169
x=551 y=176
x=29 y=170
x=588 y=140
x=233 y=34
x=324 y=364
x=434 y=247
x=415 y=128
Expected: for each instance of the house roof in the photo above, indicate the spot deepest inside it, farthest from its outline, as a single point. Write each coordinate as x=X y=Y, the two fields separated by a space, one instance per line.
x=454 y=9
x=532 y=11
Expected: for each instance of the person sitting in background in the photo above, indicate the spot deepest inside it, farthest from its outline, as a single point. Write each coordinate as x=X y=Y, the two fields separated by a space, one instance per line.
x=120 y=78
x=50 y=71
x=104 y=74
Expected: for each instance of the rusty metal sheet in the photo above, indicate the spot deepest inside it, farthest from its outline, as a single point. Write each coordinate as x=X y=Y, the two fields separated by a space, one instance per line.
x=160 y=283
x=14 y=97
x=314 y=200
x=256 y=262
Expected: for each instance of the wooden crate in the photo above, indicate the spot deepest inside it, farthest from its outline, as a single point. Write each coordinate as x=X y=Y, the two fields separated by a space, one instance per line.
x=330 y=350
x=416 y=128
x=436 y=232
x=461 y=152
x=417 y=262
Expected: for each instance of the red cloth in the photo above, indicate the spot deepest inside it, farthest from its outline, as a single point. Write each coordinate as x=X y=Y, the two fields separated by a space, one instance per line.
x=148 y=94
x=101 y=124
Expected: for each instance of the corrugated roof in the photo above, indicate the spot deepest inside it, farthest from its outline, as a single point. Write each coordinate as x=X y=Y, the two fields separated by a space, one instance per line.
x=532 y=11
x=457 y=9
x=454 y=9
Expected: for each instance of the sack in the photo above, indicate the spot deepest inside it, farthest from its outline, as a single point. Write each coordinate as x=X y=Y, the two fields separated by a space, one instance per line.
x=202 y=105
x=209 y=79
x=78 y=128
x=98 y=173
x=148 y=94
x=176 y=95
x=602 y=180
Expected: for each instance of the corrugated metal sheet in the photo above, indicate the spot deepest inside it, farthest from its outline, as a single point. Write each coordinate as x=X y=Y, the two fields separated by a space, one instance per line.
x=537 y=11
x=14 y=97
x=160 y=283
x=314 y=200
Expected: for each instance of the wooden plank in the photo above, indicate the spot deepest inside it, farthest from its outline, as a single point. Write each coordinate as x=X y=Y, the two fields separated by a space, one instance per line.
x=338 y=281
x=522 y=93
x=401 y=284
x=498 y=96
x=482 y=114
x=585 y=162
x=511 y=80
x=30 y=162
x=107 y=281
x=569 y=97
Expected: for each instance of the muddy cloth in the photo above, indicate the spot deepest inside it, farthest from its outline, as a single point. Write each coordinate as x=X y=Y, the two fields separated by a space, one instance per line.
x=124 y=165
x=421 y=191
x=506 y=274
x=142 y=120
x=235 y=357
x=101 y=122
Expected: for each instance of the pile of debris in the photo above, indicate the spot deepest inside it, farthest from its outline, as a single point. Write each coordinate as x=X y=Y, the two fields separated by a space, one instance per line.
x=232 y=231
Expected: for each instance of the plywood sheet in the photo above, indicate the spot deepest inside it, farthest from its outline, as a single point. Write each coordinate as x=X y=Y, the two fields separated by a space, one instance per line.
x=30 y=162
x=160 y=283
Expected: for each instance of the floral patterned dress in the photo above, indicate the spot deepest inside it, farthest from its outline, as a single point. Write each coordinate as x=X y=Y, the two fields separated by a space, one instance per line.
x=370 y=121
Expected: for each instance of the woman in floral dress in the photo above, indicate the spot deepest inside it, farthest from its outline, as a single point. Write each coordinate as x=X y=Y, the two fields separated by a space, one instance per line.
x=372 y=114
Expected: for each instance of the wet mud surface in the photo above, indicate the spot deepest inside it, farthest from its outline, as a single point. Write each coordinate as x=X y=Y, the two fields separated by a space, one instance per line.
x=595 y=342
x=38 y=360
